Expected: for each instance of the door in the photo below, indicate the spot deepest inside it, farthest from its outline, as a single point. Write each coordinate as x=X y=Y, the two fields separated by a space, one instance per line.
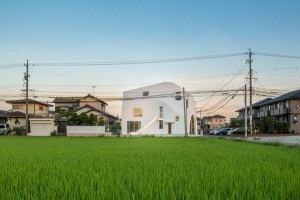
x=169 y=128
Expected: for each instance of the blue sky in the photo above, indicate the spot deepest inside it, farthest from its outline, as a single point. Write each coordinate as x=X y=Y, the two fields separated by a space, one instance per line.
x=77 y=31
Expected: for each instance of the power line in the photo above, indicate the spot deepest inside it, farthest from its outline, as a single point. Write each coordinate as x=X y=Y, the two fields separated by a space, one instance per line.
x=276 y=55
x=133 y=62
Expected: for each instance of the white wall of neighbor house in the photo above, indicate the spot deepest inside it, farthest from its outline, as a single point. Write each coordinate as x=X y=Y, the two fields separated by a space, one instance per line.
x=85 y=130
x=150 y=116
x=41 y=126
x=16 y=122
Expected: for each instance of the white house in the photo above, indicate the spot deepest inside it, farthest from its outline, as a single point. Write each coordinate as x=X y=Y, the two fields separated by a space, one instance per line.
x=158 y=110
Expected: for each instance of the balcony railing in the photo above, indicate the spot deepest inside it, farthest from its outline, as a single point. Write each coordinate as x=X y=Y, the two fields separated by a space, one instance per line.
x=279 y=111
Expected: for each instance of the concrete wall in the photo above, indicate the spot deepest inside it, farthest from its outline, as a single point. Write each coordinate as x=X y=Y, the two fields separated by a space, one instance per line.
x=85 y=130
x=41 y=126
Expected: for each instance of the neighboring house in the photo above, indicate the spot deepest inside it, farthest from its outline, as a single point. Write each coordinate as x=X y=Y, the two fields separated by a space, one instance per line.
x=88 y=109
x=14 y=119
x=255 y=110
x=17 y=117
x=215 y=121
x=158 y=110
x=285 y=108
x=35 y=108
x=87 y=104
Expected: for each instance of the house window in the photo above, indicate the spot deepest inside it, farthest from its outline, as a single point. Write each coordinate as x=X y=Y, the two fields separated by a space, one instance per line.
x=17 y=107
x=161 y=112
x=41 y=108
x=133 y=126
x=177 y=118
x=146 y=93
x=286 y=104
x=161 y=124
x=137 y=112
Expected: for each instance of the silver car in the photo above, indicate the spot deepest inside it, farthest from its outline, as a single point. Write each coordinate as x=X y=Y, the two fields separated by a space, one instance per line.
x=3 y=129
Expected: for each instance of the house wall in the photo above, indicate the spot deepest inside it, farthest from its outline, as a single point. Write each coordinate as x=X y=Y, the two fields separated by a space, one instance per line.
x=215 y=122
x=92 y=102
x=295 y=112
x=66 y=105
x=32 y=109
x=151 y=111
x=12 y=122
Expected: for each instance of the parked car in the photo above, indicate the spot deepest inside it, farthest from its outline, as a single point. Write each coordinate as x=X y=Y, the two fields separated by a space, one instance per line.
x=232 y=131
x=3 y=129
x=216 y=131
x=211 y=131
x=224 y=131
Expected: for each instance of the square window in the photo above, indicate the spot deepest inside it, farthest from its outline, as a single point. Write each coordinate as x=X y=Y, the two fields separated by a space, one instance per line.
x=137 y=112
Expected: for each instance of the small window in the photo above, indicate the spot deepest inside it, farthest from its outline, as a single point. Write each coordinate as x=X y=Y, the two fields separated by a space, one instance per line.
x=41 y=108
x=161 y=112
x=137 y=112
x=146 y=93
x=177 y=118
x=17 y=107
x=161 y=124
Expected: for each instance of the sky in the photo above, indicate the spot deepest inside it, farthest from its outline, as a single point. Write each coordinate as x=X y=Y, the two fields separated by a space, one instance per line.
x=109 y=31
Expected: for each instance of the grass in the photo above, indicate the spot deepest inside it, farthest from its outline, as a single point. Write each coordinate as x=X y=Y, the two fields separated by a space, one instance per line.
x=146 y=168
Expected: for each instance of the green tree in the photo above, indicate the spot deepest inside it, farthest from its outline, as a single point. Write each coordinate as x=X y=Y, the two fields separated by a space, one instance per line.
x=101 y=122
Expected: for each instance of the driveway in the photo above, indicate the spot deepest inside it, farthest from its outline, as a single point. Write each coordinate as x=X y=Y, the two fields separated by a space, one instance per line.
x=287 y=140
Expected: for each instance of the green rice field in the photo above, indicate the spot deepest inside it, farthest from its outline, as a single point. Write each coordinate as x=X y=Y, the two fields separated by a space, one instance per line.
x=146 y=168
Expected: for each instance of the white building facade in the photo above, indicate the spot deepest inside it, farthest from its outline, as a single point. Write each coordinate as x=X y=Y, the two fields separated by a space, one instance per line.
x=158 y=110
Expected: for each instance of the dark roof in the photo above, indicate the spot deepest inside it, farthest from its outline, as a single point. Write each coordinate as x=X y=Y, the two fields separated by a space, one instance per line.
x=12 y=114
x=91 y=96
x=30 y=101
x=75 y=99
x=286 y=97
x=62 y=100
x=97 y=110
x=214 y=116
x=255 y=105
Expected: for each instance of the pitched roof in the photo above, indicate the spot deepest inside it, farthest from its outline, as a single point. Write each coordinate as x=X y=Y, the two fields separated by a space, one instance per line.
x=91 y=96
x=286 y=97
x=76 y=99
x=214 y=116
x=30 y=101
x=256 y=105
x=97 y=110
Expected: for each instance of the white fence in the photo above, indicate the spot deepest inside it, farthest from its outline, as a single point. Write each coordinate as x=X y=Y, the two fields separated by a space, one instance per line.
x=80 y=131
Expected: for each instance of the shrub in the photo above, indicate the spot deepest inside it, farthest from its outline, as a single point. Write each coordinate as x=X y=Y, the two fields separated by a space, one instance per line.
x=19 y=130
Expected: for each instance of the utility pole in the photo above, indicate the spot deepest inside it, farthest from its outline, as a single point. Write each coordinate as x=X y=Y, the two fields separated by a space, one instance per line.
x=26 y=77
x=246 y=110
x=200 y=124
x=184 y=113
x=250 y=53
